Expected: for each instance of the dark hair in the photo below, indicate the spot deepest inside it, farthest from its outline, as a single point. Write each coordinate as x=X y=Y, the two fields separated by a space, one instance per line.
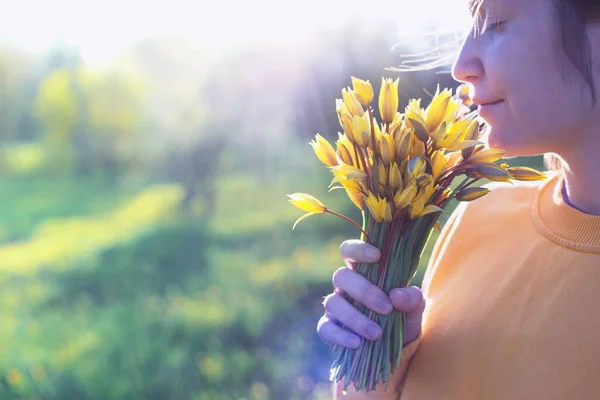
x=572 y=16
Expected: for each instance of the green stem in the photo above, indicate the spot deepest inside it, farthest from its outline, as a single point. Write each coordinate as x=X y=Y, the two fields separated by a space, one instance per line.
x=352 y=222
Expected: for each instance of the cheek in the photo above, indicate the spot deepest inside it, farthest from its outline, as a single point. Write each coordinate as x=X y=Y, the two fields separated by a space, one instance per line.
x=542 y=110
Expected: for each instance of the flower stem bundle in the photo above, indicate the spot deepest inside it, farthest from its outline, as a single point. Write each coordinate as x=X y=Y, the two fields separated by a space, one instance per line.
x=399 y=172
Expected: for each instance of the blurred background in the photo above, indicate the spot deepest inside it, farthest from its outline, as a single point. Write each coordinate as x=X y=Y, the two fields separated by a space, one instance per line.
x=146 y=149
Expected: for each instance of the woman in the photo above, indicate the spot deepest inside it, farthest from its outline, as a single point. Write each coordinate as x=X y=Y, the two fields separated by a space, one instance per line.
x=512 y=291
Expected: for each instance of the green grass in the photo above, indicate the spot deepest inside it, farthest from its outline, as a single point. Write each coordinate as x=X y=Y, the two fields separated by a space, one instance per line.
x=109 y=293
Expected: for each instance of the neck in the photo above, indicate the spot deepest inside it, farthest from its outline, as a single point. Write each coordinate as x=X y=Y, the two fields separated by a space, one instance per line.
x=582 y=183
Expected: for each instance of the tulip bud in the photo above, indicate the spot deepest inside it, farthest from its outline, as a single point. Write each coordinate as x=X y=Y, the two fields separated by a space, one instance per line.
x=363 y=91
x=388 y=100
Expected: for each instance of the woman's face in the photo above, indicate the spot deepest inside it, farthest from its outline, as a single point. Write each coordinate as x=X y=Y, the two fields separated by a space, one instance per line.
x=531 y=96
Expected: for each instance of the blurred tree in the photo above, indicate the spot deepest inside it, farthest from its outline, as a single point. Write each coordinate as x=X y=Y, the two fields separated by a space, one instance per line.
x=90 y=119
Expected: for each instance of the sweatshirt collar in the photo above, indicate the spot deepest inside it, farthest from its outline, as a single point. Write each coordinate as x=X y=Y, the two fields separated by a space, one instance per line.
x=562 y=222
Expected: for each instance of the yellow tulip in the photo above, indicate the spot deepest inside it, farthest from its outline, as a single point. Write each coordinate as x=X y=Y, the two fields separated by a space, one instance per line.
x=388 y=99
x=379 y=208
x=308 y=203
x=381 y=179
x=357 y=199
x=418 y=125
x=426 y=187
x=414 y=107
x=346 y=124
x=388 y=149
x=396 y=123
x=472 y=134
x=352 y=102
x=471 y=193
x=438 y=162
x=418 y=149
x=416 y=165
x=493 y=172
x=440 y=109
x=404 y=145
x=454 y=133
x=416 y=207
x=345 y=171
x=324 y=151
x=344 y=151
x=363 y=91
x=404 y=198
x=526 y=174
x=395 y=178
x=360 y=130
x=452 y=159
x=347 y=184
x=487 y=156
x=430 y=209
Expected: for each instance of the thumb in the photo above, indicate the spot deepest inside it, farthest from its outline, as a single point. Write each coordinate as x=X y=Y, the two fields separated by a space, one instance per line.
x=408 y=300
x=411 y=301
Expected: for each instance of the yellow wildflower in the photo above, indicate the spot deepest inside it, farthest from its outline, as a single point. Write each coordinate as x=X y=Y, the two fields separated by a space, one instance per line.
x=351 y=102
x=405 y=144
x=357 y=199
x=487 y=156
x=493 y=172
x=360 y=130
x=471 y=193
x=388 y=150
x=380 y=208
x=395 y=178
x=438 y=162
x=307 y=203
x=350 y=172
x=526 y=174
x=363 y=91
x=440 y=109
x=324 y=151
x=418 y=125
x=344 y=150
x=388 y=99
x=404 y=198
x=381 y=180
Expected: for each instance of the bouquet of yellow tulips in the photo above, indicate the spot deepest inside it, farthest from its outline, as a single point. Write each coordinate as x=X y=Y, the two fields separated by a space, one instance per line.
x=399 y=172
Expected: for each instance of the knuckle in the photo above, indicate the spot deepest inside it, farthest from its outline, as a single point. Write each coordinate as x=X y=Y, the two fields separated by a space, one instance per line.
x=338 y=276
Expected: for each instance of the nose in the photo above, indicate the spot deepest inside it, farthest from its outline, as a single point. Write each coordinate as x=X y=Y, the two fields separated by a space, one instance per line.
x=468 y=66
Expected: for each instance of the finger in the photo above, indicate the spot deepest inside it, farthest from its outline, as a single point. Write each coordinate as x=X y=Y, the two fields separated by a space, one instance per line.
x=360 y=289
x=408 y=300
x=343 y=311
x=356 y=251
x=331 y=333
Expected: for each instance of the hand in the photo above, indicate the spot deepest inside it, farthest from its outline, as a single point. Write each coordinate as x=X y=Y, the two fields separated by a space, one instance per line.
x=347 y=281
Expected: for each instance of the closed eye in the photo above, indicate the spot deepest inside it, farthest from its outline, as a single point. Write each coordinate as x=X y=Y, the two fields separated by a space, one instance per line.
x=493 y=26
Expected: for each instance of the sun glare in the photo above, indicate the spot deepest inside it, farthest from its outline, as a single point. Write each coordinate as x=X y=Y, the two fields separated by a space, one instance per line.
x=101 y=30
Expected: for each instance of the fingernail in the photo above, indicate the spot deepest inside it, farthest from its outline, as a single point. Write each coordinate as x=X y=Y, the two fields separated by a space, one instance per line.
x=384 y=305
x=372 y=331
x=372 y=252
x=413 y=296
x=399 y=296
x=352 y=341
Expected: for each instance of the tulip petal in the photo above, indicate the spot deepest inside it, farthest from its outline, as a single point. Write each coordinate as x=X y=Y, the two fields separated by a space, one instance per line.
x=302 y=218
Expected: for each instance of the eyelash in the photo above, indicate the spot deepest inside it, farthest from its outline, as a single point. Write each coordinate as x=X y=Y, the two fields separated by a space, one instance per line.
x=494 y=26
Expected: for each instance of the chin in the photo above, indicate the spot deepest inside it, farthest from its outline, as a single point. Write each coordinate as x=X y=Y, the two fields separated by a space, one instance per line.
x=512 y=147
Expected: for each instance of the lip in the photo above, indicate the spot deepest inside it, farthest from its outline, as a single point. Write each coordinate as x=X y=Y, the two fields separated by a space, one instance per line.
x=485 y=107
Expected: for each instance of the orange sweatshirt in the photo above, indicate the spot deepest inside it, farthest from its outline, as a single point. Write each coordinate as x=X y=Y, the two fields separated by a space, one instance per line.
x=513 y=294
